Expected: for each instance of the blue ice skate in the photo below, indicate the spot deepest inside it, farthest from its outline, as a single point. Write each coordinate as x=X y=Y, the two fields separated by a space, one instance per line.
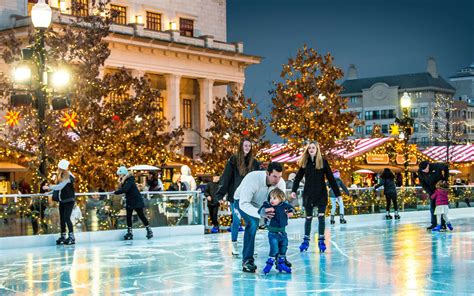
x=269 y=265
x=304 y=245
x=281 y=265
x=450 y=226
x=437 y=228
x=321 y=245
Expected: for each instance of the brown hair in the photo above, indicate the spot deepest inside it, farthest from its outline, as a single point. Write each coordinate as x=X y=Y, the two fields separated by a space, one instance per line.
x=319 y=158
x=241 y=157
x=278 y=193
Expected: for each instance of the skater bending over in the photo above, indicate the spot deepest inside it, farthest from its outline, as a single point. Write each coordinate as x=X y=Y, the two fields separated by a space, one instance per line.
x=334 y=199
x=390 y=192
x=277 y=237
x=63 y=192
x=133 y=201
x=442 y=205
x=315 y=169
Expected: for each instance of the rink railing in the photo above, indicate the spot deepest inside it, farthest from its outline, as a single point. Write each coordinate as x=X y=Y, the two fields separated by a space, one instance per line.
x=367 y=201
x=27 y=214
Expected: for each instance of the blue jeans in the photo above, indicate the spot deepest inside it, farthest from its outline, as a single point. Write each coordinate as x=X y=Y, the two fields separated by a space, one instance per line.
x=251 y=226
x=234 y=227
x=278 y=243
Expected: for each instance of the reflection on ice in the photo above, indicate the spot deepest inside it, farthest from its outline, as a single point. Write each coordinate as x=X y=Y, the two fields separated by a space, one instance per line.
x=381 y=257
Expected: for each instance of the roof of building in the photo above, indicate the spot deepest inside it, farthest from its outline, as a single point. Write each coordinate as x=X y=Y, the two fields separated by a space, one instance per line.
x=465 y=72
x=404 y=81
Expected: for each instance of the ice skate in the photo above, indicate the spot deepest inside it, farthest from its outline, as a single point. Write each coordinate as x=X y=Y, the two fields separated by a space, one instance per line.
x=450 y=226
x=269 y=265
x=61 y=239
x=149 y=233
x=288 y=263
x=281 y=266
x=305 y=244
x=70 y=240
x=388 y=216
x=249 y=266
x=128 y=235
x=321 y=245
x=437 y=228
x=241 y=229
x=215 y=229
x=397 y=216
x=235 y=249
x=332 y=220
x=342 y=220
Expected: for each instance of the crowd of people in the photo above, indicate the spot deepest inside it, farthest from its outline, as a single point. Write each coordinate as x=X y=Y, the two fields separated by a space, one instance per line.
x=256 y=194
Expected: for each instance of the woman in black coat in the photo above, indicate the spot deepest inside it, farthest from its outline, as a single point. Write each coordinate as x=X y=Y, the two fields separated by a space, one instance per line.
x=237 y=167
x=315 y=169
x=390 y=191
x=133 y=201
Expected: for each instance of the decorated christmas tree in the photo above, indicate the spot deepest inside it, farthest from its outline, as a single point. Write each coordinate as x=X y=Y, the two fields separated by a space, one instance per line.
x=114 y=118
x=234 y=117
x=307 y=105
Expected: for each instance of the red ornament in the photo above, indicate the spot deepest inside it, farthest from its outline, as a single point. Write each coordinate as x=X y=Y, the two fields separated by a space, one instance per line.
x=299 y=100
x=245 y=133
x=299 y=96
x=116 y=118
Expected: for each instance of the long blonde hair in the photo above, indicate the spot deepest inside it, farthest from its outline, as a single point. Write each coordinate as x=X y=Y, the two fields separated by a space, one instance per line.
x=319 y=158
x=63 y=175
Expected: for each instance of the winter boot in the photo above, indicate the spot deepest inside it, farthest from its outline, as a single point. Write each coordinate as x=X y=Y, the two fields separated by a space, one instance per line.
x=388 y=216
x=342 y=220
x=305 y=244
x=149 y=233
x=215 y=229
x=249 y=266
x=269 y=265
x=332 y=219
x=437 y=228
x=61 y=239
x=281 y=266
x=70 y=240
x=235 y=248
x=129 y=234
x=397 y=216
x=449 y=226
x=321 y=244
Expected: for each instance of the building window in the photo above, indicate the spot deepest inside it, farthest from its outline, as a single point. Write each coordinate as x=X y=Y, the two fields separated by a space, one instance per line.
x=186 y=27
x=423 y=110
x=187 y=111
x=359 y=129
x=385 y=128
x=416 y=127
x=161 y=105
x=436 y=127
x=368 y=115
x=414 y=112
x=368 y=129
x=153 y=21
x=354 y=100
x=119 y=14
x=376 y=114
x=424 y=141
x=80 y=7
x=189 y=152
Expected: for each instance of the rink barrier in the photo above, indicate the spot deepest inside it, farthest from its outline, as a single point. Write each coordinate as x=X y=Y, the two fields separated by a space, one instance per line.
x=98 y=212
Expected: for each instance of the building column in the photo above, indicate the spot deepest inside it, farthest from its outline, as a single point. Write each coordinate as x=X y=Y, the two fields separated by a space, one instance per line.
x=173 y=100
x=206 y=93
x=236 y=87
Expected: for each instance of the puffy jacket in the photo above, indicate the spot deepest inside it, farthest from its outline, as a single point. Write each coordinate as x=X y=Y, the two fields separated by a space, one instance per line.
x=133 y=198
x=388 y=186
x=441 y=197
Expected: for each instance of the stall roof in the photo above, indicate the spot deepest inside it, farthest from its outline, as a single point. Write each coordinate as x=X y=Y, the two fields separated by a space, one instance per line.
x=11 y=167
x=457 y=153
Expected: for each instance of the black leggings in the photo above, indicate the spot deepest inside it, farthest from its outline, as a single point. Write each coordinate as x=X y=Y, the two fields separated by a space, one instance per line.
x=213 y=214
x=65 y=211
x=140 y=214
x=309 y=220
x=389 y=198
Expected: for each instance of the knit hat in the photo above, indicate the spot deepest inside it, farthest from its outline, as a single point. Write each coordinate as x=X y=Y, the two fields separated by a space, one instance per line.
x=423 y=165
x=63 y=164
x=122 y=171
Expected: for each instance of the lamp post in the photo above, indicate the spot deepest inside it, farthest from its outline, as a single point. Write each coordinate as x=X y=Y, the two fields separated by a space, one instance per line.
x=41 y=16
x=406 y=123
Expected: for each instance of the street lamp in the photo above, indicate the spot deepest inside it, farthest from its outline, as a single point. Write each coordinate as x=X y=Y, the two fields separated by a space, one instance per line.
x=406 y=124
x=41 y=16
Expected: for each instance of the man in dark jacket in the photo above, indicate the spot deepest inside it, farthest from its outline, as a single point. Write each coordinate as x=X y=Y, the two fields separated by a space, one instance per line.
x=430 y=174
x=213 y=202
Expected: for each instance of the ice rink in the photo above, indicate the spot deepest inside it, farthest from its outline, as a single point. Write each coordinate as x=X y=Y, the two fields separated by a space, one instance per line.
x=367 y=257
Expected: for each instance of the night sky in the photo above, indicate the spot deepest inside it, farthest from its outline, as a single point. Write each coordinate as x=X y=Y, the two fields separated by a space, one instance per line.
x=379 y=37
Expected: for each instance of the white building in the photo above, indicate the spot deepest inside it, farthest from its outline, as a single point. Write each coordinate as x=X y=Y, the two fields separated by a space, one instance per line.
x=181 y=45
